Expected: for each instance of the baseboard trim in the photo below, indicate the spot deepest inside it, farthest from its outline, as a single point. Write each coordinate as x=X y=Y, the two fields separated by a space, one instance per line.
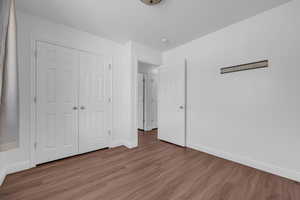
x=286 y=173
x=2 y=176
x=129 y=145
x=125 y=143
x=116 y=143
x=17 y=167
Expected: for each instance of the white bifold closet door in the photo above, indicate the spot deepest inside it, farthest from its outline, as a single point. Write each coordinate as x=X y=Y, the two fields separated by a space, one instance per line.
x=57 y=97
x=94 y=118
x=73 y=90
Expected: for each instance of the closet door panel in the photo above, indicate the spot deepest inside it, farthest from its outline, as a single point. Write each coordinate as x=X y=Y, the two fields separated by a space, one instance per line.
x=94 y=119
x=57 y=95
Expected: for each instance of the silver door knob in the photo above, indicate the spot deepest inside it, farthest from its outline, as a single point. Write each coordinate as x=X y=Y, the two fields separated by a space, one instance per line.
x=82 y=108
x=75 y=108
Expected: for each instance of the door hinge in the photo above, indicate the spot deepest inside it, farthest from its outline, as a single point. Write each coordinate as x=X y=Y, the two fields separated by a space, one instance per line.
x=109 y=132
x=109 y=66
x=34 y=99
x=35 y=53
x=109 y=100
x=35 y=145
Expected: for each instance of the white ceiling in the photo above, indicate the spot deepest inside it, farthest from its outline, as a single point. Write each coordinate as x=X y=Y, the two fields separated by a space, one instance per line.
x=122 y=20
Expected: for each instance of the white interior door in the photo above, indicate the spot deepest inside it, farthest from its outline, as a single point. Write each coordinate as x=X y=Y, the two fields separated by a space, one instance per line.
x=141 y=101
x=171 y=104
x=57 y=100
x=94 y=102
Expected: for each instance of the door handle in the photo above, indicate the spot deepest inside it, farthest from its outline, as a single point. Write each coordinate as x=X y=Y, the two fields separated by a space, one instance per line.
x=75 y=108
x=181 y=107
x=82 y=107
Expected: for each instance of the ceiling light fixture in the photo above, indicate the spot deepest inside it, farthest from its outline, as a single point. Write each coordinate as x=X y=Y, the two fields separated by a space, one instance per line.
x=151 y=2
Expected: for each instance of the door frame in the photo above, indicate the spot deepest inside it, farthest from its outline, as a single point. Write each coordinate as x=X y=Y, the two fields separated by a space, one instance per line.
x=143 y=82
x=134 y=127
x=33 y=92
x=134 y=95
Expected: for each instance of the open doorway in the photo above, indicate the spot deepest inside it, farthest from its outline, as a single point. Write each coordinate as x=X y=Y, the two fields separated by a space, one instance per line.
x=147 y=102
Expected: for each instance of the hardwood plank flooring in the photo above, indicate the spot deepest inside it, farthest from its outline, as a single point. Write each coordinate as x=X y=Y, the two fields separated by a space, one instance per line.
x=153 y=171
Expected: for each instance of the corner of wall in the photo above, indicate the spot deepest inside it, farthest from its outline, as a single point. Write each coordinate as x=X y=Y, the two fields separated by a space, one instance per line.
x=2 y=176
x=10 y=169
x=17 y=167
x=130 y=145
x=116 y=143
x=2 y=168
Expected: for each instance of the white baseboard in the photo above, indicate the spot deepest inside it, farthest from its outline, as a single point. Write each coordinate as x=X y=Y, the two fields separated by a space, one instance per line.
x=116 y=143
x=17 y=167
x=2 y=176
x=130 y=145
x=125 y=143
x=286 y=173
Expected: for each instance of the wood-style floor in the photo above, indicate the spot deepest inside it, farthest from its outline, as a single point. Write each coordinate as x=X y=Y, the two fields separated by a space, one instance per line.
x=153 y=171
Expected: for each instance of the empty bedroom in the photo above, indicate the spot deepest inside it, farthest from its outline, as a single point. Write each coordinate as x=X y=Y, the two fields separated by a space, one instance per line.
x=149 y=100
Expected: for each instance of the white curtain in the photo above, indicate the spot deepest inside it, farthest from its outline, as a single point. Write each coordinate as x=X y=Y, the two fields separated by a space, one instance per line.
x=9 y=99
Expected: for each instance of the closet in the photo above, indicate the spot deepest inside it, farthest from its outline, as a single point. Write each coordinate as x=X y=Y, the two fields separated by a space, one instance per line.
x=73 y=102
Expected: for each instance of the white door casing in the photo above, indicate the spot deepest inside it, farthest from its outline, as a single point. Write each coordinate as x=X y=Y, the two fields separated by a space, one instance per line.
x=94 y=103
x=57 y=100
x=153 y=100
x=141 y=94
x=172 y=104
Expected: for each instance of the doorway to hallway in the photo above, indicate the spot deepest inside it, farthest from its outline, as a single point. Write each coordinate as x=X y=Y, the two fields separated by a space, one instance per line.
x=147 y=100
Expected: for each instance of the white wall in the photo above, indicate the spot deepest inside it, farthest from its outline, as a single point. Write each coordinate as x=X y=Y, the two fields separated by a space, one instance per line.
x=252 y=117
x=2 y=168
x=31 y=27
x=122 y=98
